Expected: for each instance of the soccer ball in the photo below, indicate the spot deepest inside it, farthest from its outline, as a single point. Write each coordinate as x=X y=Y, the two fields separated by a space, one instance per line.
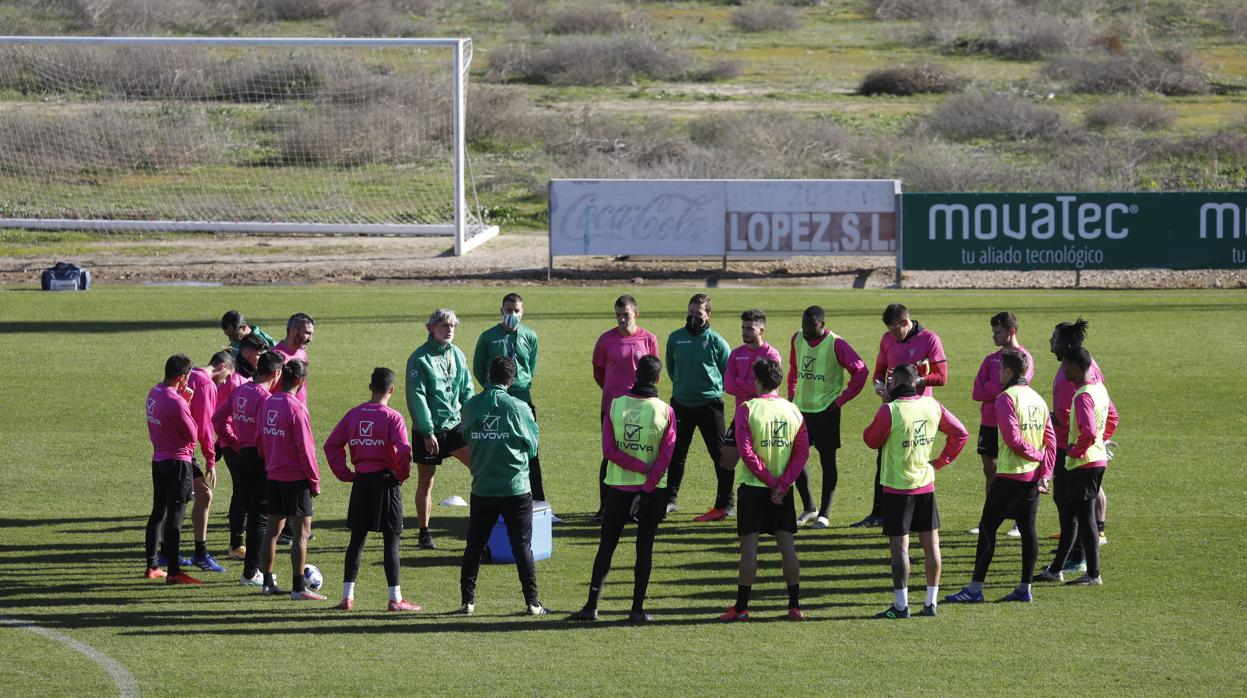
x=312 y=578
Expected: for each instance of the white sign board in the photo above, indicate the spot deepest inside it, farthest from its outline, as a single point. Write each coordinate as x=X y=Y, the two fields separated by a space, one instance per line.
x=723 y=217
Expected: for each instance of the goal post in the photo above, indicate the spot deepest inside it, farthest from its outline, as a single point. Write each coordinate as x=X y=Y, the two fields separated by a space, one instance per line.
x=234 y=134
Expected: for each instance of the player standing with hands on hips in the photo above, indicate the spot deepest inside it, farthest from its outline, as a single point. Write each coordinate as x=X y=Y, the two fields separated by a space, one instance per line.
x=438 y=384
x=904 y=432
x=172 y=433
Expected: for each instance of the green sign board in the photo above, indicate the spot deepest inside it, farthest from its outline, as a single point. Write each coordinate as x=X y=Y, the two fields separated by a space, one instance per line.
x=1196 y=230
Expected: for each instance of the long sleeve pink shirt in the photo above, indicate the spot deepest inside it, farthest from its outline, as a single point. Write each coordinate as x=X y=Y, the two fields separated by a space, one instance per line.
x=203 y=403
x=738 y=380
x=919 y=346
x=286 y=441
x=987 y=385
x=224 y=390
x=614 y=361
x=376 y=437
x=653 y=472
x=751 y=459
x=237 y=420
x=848 y=359
x=169 y=425
x=1063 y=399
x=956 y=436
x=1084 y=408
x=1011 y=434
x=288 y=354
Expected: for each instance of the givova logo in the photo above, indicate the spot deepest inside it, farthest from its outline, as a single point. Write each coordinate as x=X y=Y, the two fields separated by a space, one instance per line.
x=491 y=425
x=777 y=434
x=365 y=436
x=918 y=435
x=807 y=363
x=151 y=405
x=270 y=429
x=1034 y=419
x=271 y=417
x=632 y=432
x=365 y=428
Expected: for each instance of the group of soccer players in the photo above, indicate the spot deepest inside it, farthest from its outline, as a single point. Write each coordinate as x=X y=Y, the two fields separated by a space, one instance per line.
x=249 y=406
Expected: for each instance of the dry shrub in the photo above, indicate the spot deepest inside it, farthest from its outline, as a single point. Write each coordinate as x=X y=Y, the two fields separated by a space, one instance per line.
x=600 y=61
x=765 y=18
x=527 y=11
x=911 y=79
x=369 y=21
x=106 y=140
x=1016 y=29
x=347 y=136
x=1144 y=116
x=1166 y=72
x=780 y=143
x=143 y=17
x=587 y=20
x=993 y=115
x=502 y=114
x=1229 y=17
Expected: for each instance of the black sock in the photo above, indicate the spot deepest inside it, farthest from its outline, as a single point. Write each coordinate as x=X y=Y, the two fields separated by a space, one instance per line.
x=595 y=593
x=794 y=595
x=296 y=582
x=742 y=597
x=201 y=548
x=1100 y=525
x=424 y=531
x=269 y=581
x=638 y=605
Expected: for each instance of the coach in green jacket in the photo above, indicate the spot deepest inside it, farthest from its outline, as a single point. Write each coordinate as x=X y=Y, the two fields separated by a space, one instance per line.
x=438 y=384
x=512 y=339
x=696 y=361
x=502 y=436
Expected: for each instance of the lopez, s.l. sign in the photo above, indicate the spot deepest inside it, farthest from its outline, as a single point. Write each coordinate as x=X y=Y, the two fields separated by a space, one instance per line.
x=717 y=217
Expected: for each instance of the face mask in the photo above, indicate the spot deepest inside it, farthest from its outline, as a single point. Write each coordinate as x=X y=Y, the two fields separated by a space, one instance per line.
x=695 y=324
x=511 y=320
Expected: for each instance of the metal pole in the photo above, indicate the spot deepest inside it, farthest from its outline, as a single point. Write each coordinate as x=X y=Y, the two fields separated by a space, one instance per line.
x=457 y=134
x=900 y=237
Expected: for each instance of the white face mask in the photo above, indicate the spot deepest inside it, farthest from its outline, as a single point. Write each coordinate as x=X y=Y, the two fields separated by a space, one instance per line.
x=511 y=320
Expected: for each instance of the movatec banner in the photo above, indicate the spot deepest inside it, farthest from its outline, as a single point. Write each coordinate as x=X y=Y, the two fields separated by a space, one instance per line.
x=1187 y=230
x=722 y=217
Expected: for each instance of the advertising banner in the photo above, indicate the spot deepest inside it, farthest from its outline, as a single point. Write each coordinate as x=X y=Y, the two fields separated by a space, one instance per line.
x=1196 y=230
x=773 y=218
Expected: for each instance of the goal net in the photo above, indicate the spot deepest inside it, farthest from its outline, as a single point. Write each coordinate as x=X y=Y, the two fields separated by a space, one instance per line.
x=237 y=135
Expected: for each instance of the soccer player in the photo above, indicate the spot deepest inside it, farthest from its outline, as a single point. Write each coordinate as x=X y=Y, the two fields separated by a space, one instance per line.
x=1026 y=453
x=249 y=350
x=615 y=357
x=1093 y=419
x=818 y=362
x=236 y=327
x=1067 y=336
x=438 y=385
x=377 y=438
x=203 y=383
x=987 y=388
x=289 y=453
x=512 y=338
x=502 y=436
x=740 y=383
x=902 y=431
x=774 y=446
x=299 y=330
x=229 y=452
x=696 y=362
x=905 y=342
x=238 y=422
x=172 y=432
x=638 y=436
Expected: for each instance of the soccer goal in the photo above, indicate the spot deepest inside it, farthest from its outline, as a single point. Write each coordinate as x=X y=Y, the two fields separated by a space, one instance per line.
x=266 y=135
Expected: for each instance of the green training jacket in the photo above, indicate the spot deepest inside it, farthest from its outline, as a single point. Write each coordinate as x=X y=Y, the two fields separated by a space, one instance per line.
x=502 y=436
x=438 y=384
x=520 y=345
x=695 y=365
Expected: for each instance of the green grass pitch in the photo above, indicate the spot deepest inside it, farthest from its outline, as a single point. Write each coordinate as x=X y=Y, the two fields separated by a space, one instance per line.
x=75 y=491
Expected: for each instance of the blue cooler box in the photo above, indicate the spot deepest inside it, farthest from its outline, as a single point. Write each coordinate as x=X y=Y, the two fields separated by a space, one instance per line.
x=543 y=537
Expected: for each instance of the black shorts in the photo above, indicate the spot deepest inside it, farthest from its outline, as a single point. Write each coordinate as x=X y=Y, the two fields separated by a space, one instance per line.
x=376 y=503
x=447 y=442
x=197 y=473
x=909 y=513
x=756 y=513
x=729 y=436
x=171 y=481
x=1082 y=484
x=823 y=428
x=989 y=444
x=289 y=498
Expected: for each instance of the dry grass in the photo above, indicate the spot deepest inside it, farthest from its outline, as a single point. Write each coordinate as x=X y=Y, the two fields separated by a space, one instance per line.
x=911 y=79
x=993 y=115
x=765 y=18
x=1165 y=72
x=601 y=61
x=587 y=20
x=1135 y=114
x=375 y=21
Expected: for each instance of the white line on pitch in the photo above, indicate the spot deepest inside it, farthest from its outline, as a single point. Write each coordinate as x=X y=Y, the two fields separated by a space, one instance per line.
x=127 y=686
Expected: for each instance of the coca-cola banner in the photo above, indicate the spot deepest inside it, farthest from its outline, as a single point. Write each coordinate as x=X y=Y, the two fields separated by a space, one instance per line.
x=773 y=218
